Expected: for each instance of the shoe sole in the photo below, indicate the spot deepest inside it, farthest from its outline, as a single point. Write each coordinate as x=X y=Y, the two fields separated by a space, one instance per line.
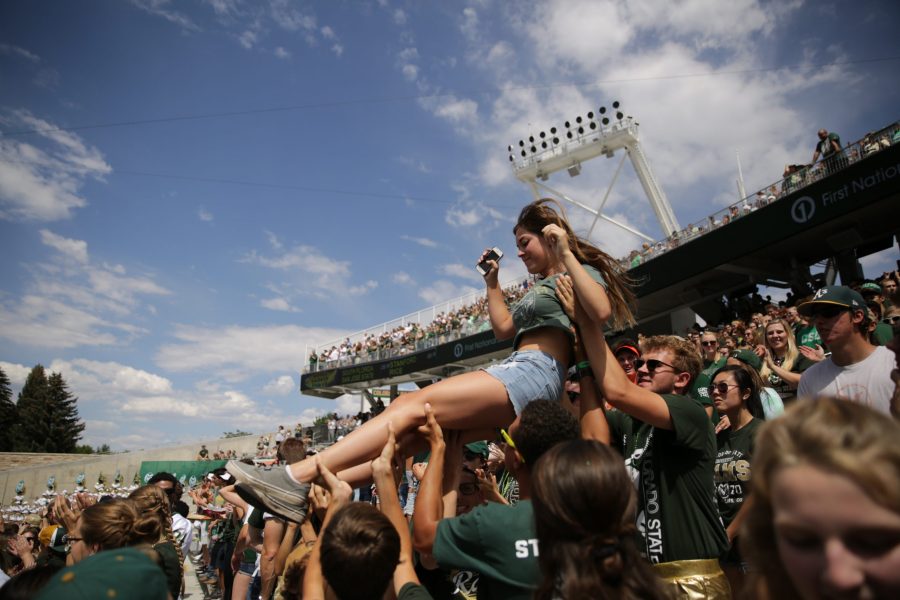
x=269 y=505
x=291 y=498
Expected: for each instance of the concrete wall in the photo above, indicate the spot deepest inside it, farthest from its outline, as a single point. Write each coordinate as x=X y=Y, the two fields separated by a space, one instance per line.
x=128 y=463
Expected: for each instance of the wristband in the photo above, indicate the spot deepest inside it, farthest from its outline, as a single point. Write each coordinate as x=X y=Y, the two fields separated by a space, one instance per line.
x=583 y=369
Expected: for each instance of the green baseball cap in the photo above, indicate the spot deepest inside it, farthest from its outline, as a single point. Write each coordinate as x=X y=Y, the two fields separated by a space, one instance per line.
x=122 y=573
x=479 y=448
x=834 y=295
x=748 y=357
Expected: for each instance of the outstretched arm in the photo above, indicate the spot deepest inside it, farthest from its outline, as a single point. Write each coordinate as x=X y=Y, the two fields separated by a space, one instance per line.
x=314 y=581
x=429 y=503
x=383 y=474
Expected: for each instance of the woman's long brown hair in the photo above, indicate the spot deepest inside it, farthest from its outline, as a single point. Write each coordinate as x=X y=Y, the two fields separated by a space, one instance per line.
x=540 y=213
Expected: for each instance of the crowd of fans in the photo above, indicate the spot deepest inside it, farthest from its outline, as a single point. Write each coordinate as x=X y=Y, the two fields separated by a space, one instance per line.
x=411 y=337
x=431 y=524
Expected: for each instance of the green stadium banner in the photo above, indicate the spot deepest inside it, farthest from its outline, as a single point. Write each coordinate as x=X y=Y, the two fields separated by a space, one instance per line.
x=188 y=472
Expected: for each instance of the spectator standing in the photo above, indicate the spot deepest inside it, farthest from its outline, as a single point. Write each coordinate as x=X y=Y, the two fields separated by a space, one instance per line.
x=829 y=144
x=670 y=450
x=736 y=396
x=712 y=362
x=783 y=363
x=856 y=370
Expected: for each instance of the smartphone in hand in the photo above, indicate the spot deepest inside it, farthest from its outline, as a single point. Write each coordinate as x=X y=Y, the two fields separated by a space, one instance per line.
x=493 y=254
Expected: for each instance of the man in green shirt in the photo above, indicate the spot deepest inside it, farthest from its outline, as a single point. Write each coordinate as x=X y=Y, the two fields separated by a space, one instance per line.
x=498 y=541
x=669 y=447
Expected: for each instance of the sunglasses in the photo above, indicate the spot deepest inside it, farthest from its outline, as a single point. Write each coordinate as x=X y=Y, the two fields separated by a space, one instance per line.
x=653 y=365
x=713 y=343
x=30 y=539
x=827 y=312
x=892 y=320
x=720 y=387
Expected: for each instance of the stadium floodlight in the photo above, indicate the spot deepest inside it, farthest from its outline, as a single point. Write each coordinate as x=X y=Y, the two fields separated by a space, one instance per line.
x=588 y=138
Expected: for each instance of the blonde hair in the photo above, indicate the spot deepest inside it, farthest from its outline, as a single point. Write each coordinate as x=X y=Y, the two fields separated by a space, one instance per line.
x=153 y=502
x=790 y=355
x=838 y=436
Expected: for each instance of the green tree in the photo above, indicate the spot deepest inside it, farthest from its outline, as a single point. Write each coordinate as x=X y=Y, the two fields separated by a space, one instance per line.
x=48 y=414
x=236 y=433
x=31 y=407
x=8 y=415
x=65 y=427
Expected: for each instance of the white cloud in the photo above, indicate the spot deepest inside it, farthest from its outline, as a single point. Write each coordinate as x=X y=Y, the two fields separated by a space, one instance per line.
x=290 y=18
x=410 y=71
x=403 y=278
x=279 y=304
x=322 y=276
x=399 y=16
x=74 y=249
x=21 y=52
x=245 y=350
x=428 y=243
x=337 y=49
x=204 y=215
x=160 y=8
x=443 y=290
x=281 y=386
x=16 y=373
x=248 y=38
x=328 y=33
x=44 y=184
x=96 y=379
x=461 y=271
x=456 y=110
x=282 y=53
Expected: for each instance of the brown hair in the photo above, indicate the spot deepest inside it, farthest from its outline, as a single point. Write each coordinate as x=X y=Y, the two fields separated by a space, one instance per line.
x=838 y=436
x=360 y=550
x=546 y=211
x=153 y=502
x=291 y=450
x=584 y=504
x=117 y=524
x=685 y=356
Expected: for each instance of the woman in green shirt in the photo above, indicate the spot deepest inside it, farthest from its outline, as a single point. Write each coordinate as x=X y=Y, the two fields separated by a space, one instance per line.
x=735 y=395
x=782 y=362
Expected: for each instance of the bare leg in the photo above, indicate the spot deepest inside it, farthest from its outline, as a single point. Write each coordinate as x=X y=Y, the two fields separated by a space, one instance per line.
x=470 y=401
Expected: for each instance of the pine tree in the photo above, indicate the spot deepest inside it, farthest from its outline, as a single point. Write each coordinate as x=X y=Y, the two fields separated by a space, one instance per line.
x=64 y=426
x=8 y=415
x=31 y=435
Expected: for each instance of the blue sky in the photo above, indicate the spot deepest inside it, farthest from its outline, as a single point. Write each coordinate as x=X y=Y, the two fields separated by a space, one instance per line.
x=191 y=192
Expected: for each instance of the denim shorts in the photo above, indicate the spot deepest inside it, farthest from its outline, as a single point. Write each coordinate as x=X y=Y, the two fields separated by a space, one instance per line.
x=247 y=568
x=529 y=375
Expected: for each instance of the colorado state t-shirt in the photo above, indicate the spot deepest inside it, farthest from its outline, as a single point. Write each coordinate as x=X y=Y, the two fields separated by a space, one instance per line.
x=732 y=474
x=673 y=474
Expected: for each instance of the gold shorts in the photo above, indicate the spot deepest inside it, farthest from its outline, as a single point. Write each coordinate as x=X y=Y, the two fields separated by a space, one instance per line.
x=694 y=579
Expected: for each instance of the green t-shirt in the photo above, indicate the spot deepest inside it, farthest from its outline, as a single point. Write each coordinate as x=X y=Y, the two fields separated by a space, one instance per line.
x=413 y=591
x=496 y=541
x=808 y=336
x=673 y=473
x=732 y=474
x=540 y=307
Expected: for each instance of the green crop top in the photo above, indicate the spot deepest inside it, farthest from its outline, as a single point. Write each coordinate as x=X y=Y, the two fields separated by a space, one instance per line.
x=540 y=307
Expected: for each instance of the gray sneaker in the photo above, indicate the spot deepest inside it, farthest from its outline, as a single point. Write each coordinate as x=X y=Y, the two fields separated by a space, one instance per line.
x=271 y=505
x=271 y=486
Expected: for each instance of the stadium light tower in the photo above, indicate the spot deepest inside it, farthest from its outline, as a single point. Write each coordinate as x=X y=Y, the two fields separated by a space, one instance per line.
x=593 y=135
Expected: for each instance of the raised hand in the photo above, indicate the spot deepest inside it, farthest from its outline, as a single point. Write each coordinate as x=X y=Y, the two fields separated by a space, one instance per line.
x=723 y=424
x=814 y=354
x=340 y=490
x=384 y=465
x=557 y=240
x=431 y=431
x=493 y=271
